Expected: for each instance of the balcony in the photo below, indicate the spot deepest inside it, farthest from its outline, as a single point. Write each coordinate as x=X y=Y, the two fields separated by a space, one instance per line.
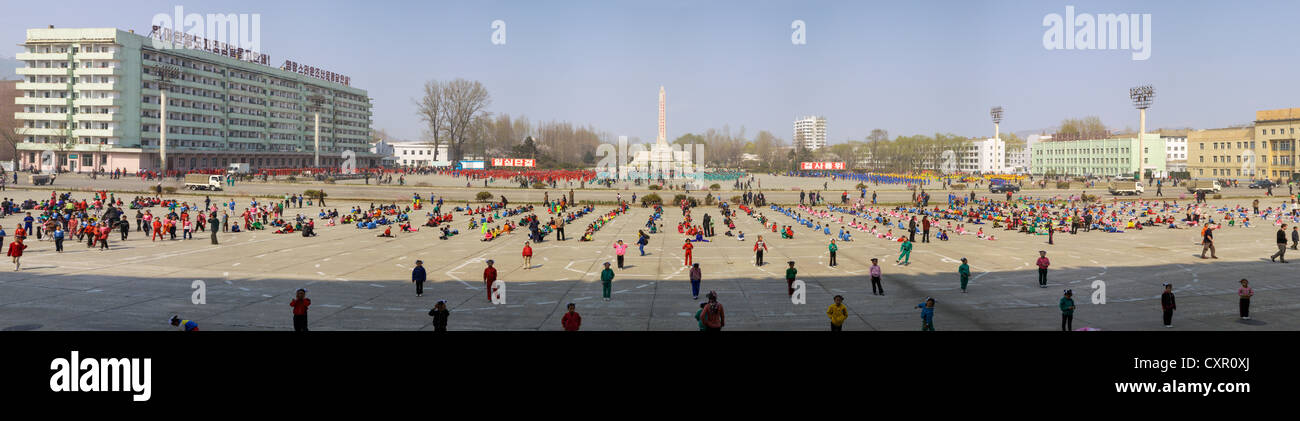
x=97 y=117
x=39 y=86
x=44 y=71
x=103 y=102
x=23 y=131
x=41 y=116
x=98 y=71
x=96 y=86
x=97 y=132
x=97 y=56
x=43 y=56
x=22 y=100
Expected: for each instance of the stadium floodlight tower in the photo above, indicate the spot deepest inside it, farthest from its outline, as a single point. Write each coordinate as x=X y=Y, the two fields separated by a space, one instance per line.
x=996 y=113
x=317 y=104
x=1142 y=97
x=166 y=74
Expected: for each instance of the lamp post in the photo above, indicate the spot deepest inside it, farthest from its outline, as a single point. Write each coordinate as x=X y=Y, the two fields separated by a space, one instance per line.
x=317 y=102
x=1142 y=96
x=165 y=76
x=996 y=113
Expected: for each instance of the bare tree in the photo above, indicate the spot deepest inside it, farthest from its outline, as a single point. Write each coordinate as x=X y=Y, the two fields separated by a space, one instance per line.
x=9 y=136
x=464 y=102
x=430 y=110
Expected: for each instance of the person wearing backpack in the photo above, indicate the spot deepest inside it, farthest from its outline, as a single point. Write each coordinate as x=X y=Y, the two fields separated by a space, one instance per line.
x=713 y=316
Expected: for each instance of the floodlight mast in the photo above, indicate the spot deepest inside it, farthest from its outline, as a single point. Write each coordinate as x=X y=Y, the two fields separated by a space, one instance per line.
x=996 y=113
x=1142 y=97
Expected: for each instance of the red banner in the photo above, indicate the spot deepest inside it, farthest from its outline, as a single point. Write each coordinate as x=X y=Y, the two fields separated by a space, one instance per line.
x=513 y=162
x=821 y=165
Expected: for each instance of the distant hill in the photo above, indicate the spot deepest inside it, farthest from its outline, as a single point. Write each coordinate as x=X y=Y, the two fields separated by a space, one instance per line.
x=8 y=65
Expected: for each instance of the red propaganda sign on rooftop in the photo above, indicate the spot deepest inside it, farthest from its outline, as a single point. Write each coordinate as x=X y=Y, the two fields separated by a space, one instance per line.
x=821 y=165
x=513 y=162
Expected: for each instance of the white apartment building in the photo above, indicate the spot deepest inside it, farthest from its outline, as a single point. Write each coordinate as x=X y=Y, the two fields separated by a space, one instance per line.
x=1175 y=149
x=986 y=156
x=811 y=131
x=420 y=154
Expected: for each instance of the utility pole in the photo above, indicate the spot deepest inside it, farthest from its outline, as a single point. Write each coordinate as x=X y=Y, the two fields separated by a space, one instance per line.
x=165 y=76
x=317 y=104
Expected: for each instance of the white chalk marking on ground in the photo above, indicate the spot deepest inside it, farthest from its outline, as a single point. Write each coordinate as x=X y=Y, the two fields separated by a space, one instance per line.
x=260 y=255
x=363 y=307
x=582 y=298
x=685 y=314
x=401 y=258
x=485 y=308
x=514 y=305
x=546 y=302
x=621 y=291
x=267 y=296
x=642 y=286
x=980 y=275
x=394 y=309
x=236 y=264
x=400 y=266
x=96 y=290
x=332 y=305
x=229 y=283
x=566 y=267
x=529 y=283
x=376 y=285
x=320 y=273
x=325 y=259
x=244 y=289
x=318 y=265
x=341 y=279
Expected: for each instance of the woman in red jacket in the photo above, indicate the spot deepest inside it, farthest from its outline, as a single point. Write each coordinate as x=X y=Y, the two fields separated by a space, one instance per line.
x=528 y=256
x=571 y=320
x=16 y=251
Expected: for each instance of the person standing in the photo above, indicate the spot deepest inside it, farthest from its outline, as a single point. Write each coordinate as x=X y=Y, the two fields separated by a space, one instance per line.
x=964 y=271
x=606 y=281
x=528 y=256
x=712 y=315
x=927 y=314
x=16 y=251
x=489 y=278
x=619 y=250
x=213 y=222
x=1042 y=263
x=58 y=238
x=1244 y=293
x=300 y=304
x=1168 y=305
x=698 y=314
x=833 y=248
x=1281 y=245
x=875 y=278
x=571 y=320
x=696 y=276
x=687 y=247
x=418 y=277
x=925 y=229
x=790 y=274
x=1067 y=311
x=642 y=240
x=1295 y=237
x=760 y=246
x=904 y=253
x=440 y=314
x=838 y=313
x=1207 y=242
x=911 y=229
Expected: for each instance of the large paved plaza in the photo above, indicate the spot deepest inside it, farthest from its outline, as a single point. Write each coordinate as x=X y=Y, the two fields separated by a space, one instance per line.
x=358 y=281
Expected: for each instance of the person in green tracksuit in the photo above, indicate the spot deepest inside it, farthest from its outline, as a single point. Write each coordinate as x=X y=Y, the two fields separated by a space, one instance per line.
x=1067 y=311
x=699 y=313
x=606 y=280
x=964 y=270
x=789 y=277
x=833 y=248
x=905 y=252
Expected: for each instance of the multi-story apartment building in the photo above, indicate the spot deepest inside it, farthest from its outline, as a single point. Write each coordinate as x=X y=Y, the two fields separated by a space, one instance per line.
x=1099 y=157
x=91 y=96
x=1276 y=132
x=810 y=132
x=1175 y=149
x=987 y=156
x=1229 y=153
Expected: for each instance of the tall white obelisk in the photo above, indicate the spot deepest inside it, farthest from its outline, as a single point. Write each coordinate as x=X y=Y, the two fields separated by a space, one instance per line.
x=663 y=132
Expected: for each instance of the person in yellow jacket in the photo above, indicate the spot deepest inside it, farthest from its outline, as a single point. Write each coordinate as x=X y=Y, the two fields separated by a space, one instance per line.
x=838 y=313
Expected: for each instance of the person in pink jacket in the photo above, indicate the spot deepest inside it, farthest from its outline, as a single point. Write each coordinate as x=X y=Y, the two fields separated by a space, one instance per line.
x=620 y=249
x=1042 y=263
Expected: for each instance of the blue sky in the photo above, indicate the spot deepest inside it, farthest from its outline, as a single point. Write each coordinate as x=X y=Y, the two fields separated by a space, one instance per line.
x=904 y=66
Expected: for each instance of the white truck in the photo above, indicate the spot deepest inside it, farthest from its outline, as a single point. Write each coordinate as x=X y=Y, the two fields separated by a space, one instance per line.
x=1208 y=186
x=1133 y=188
x=203 y=181
x=239 y=168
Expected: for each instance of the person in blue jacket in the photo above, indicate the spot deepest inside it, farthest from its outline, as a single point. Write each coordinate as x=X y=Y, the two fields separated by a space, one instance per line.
x=185 y=325
x=927 y=314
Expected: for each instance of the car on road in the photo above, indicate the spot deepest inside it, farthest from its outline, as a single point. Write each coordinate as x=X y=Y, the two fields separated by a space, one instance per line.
x=1262 y=184
x=1003 y=188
